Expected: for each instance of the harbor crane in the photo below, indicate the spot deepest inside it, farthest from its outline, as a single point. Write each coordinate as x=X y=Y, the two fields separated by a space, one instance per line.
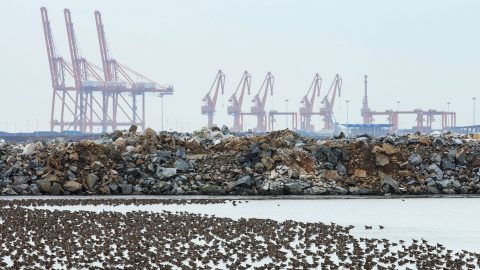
x=259 y=100
x=329 y=101
x=210 y=102
x=236 y=101
x=308 y=102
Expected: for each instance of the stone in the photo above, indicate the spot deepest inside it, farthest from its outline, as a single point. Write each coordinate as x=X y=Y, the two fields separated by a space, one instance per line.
x=268 y=163
x=44 y=185
x=34 y=189
x=126 y=189
x=331 y=175
x=340 y=190
x=341 y=169
x=460 y=156
x=447 y=165
x=72 y=186
x=259 y=167
x=296 y=187
x=182 y=165
x=270 y=187
x=415 y=159
x=432 y=187
x=360 y=173
x=20 y=179
x=457 y=141
x=315 y=190
x=90 y=181
x=180 y=152
x=448 y=191
x=120 y=142
x=166 y=173
x=433 y=168
x=56 y=189
x=104 y=190
x=381 y=159
x=9 y=192
x=29 y=149
x=443 y=184
x=244 y=181
x=133 y=129
x=389 y=149
x=21 y=189
x=389 y=184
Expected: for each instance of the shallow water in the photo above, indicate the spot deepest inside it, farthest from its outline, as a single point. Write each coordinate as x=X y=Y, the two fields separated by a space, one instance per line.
x=454 y=222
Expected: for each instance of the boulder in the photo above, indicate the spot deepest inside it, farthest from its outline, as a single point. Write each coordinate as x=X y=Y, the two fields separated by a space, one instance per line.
x=389 y=184
x=389 y=149
x=415 y=159
x=268 y=163
x=296 y=187
x=29 y=149
x=244 y=181
x=166 y=173
x=20 y=180
x=360 y=173
x=44 y=185
x=56 y=189
x=433 y=168
x=381 y=159
x=182 y=165
x=72 y=186
x=90 y=181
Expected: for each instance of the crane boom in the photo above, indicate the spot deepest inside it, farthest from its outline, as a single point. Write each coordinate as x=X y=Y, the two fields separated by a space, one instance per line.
x=102 y=41
x=258 y=108
x=327 y=110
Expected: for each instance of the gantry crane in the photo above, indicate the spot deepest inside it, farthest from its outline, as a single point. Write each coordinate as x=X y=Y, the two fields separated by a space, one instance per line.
x=119 y=81
x=87 y=81
x=235 y=108
x=210 y=102
x=306 y=110
x=259 y=100
x=63 y=103
x=328 y=103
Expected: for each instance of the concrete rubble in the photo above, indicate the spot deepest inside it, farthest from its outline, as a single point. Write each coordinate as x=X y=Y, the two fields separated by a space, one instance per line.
x=217 y=162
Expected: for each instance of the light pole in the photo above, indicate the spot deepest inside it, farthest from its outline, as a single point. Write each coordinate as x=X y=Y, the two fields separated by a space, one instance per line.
x=161 y=97
x=474 y=101
x=448 y=106
x=27 y=124
x=37 y=126
x=398 y=105
x=286 y=116
x=348 y=128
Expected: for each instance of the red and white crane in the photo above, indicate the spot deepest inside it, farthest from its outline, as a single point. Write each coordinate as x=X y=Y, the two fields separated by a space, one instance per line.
x=121 y=81
x=236 y=101
x=259 y=101
x=308 y=103
x=210 y=102
x=329 y=102
x=88 y=112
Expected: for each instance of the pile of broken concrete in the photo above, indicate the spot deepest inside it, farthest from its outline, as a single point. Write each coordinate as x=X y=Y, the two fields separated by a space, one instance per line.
x=215 y=162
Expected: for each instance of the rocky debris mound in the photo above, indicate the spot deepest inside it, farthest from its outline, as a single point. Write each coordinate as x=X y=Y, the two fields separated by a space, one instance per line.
x=213 y=161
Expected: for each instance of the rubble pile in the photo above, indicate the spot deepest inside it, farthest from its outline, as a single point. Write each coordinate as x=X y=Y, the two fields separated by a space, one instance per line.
x=217 y=162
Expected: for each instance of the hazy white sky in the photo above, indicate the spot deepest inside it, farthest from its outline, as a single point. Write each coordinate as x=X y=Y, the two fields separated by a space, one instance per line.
x=421 y=53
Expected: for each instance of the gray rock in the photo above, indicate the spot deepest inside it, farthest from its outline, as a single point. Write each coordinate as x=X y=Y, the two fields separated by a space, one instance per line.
x=259 y=167
x=341 y=169
x=327 y=166
x=212 y=190
x=126 y=189
x=389 y=184
x=460 y=156
x=339 y=190
x=272 y=187
x=315 y=190
x=381 y=159
x=244 y=181
x=91 y=180
x=180 y=152
x=433 y=168
x=9 y=191
x=22 y=188
x=457 y=141
x=448 y=165
x=166 y=173
x=182 y=165
x=436 y=158
x=56 y=189
x=443 y=184
x=448 y=191
x=415 y=159
x=20 y=180
x=432 y=187
x=296 y=187
x=34 y=189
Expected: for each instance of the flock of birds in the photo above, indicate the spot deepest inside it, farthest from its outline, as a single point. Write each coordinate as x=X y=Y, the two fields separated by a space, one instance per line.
x=45 y=239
